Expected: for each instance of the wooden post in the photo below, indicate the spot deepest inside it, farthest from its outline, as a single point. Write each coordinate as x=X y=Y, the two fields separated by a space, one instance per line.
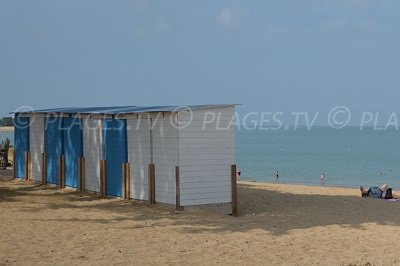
x=152 y=184
x=103 y=179
x=80 y=173
x=128 y=180
x=59 y=172
x=234 y=191
x=123 y=181
x=29 y=166
x=62 y=172
x=149 y=186
x=13 y=169
x=178 y=206
x=26 y=165
x=83 y=169
x=44 y=168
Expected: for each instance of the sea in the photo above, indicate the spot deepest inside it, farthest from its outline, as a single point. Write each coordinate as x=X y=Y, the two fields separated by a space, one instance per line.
x=348 y=157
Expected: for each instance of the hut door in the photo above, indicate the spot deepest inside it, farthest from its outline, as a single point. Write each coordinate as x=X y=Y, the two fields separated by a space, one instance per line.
x=36 y=143
x=115 y=153
x=54 y=147
x=72 y=150
x=92 y=151
x=21 y=143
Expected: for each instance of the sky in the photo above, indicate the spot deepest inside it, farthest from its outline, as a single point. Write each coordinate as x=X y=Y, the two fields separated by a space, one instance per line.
x=269 y=56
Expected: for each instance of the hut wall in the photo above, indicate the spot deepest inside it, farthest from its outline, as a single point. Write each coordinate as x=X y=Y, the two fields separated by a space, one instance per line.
x=93 y=152
x=36 y=140
x=165 y=157
x=21 y=144
x=139 y=155
x=72 y=150
x=206 y=153
x=54 y=147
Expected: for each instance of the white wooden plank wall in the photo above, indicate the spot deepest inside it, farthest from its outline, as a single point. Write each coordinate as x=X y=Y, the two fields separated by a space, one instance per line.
x=36 y=142
x=93 y=152
x=139 y=157
x=165 y=154
x=206 y=153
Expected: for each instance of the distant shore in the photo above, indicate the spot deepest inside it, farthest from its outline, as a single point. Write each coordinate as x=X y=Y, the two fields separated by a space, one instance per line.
x=6 y=129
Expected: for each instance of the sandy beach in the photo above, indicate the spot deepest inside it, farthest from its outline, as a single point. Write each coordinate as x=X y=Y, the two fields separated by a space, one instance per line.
x=6 y=129
x=279 y=224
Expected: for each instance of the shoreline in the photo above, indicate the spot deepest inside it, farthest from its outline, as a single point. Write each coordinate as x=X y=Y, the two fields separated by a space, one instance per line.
x=310 y=184
x=304 y=188
x=6 y=129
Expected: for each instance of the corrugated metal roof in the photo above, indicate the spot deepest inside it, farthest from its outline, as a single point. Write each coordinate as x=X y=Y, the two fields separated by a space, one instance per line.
x=126 y=109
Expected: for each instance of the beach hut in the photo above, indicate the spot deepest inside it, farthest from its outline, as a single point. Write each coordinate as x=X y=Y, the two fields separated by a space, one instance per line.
x=168 y=154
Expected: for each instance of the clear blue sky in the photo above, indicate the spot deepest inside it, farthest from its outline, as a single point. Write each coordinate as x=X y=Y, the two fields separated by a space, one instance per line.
x=283 y=55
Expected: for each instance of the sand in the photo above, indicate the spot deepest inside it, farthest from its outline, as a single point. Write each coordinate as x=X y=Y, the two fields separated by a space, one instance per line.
x=6 y=129
x=278 y=225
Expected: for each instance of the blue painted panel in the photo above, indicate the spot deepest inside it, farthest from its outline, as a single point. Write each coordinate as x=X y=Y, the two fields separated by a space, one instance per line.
x=21 y=144
x=115 y=153
x=72 y=150
x=53 y=142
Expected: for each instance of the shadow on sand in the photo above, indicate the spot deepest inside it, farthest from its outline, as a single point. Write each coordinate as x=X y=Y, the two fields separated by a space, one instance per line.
x=260 y=208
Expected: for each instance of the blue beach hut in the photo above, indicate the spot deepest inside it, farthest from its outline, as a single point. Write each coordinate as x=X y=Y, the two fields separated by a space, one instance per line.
x=157 y=153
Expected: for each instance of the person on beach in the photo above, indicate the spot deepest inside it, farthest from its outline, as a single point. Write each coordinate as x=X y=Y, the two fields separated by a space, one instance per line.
x=277 y=174
x=238 y=173
x=322 y=178
x=382 y=192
